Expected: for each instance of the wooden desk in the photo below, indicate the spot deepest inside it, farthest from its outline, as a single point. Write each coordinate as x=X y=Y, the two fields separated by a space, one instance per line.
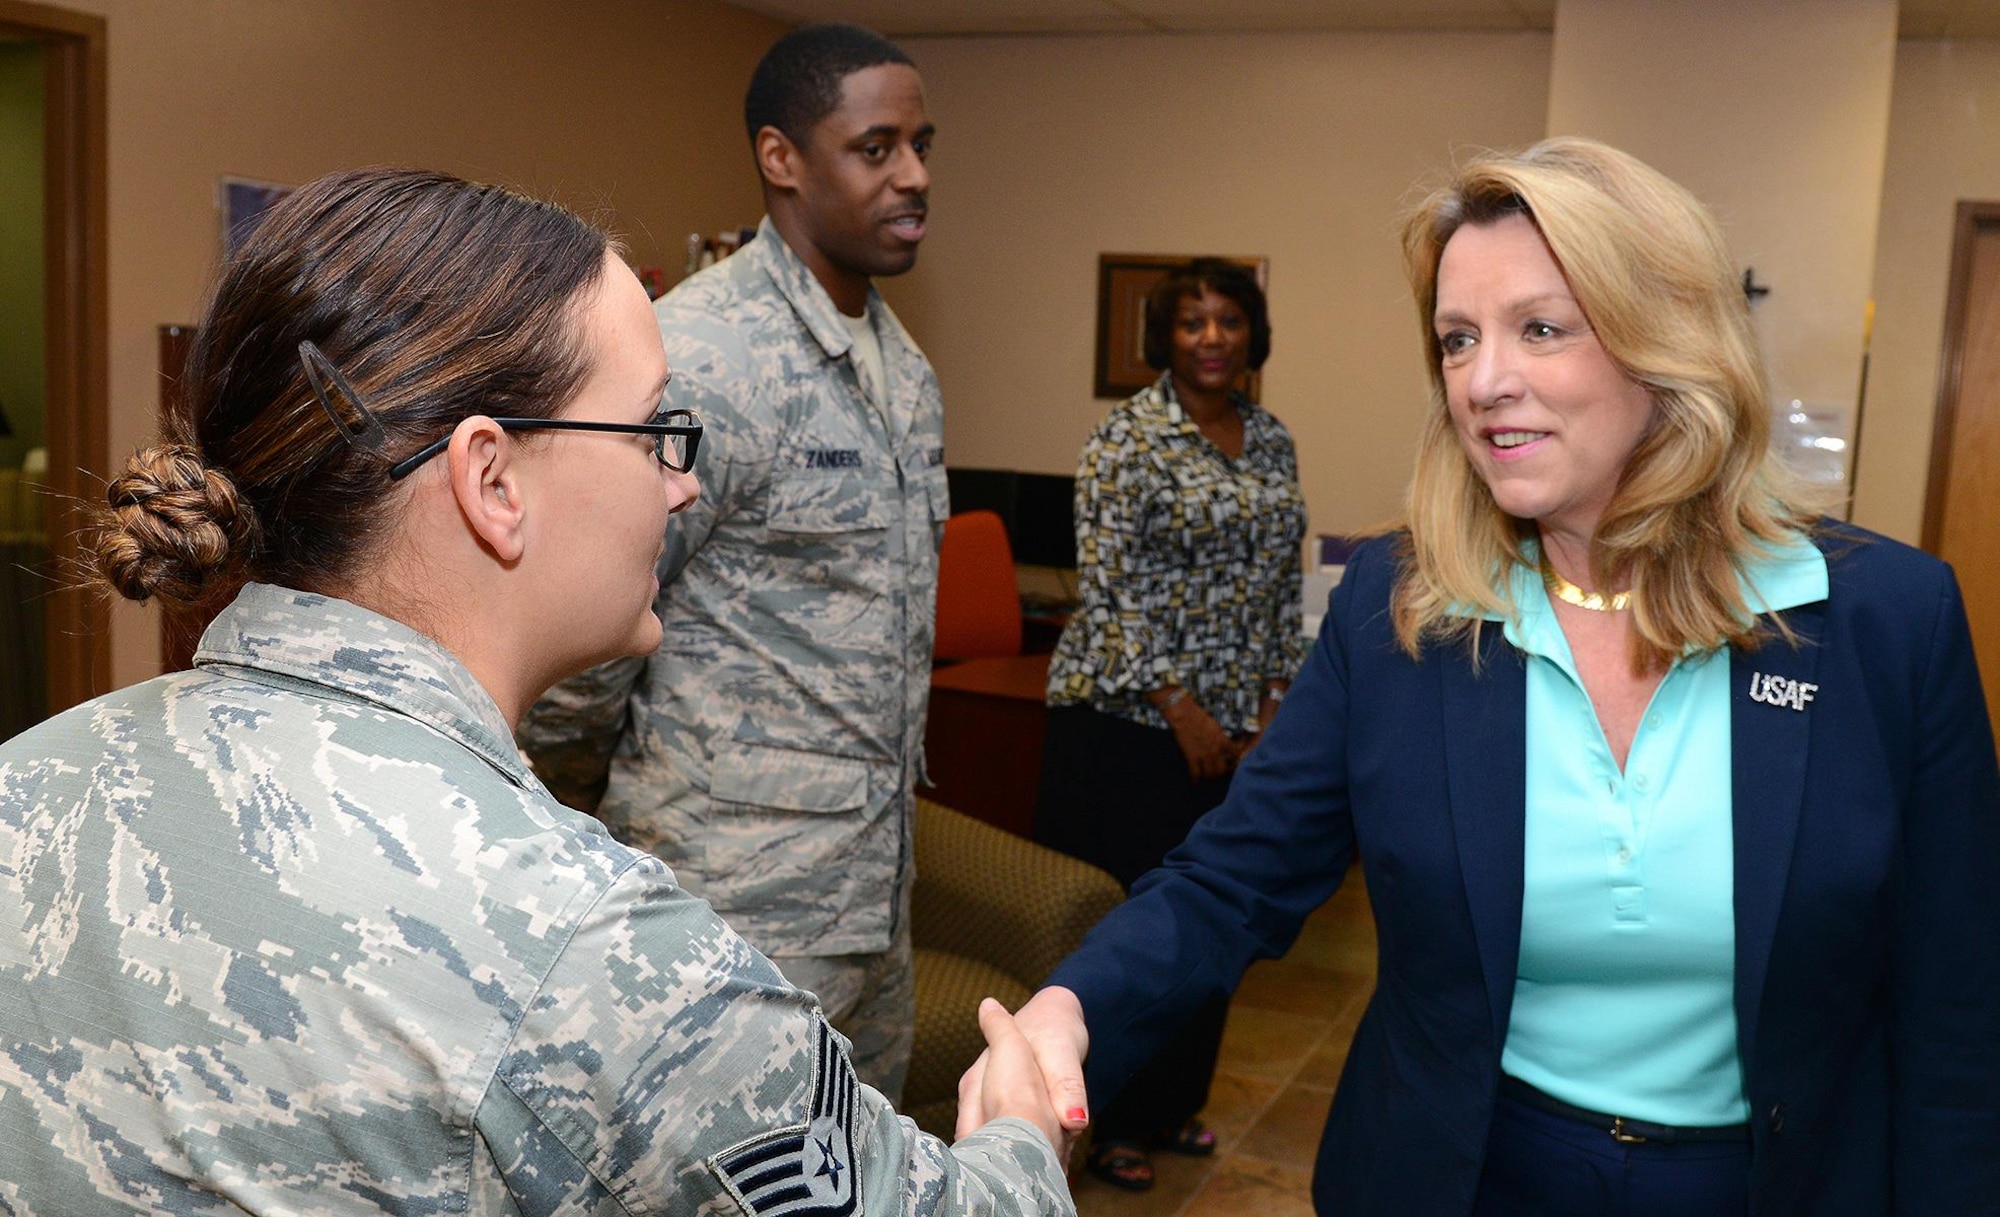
x=983 y=739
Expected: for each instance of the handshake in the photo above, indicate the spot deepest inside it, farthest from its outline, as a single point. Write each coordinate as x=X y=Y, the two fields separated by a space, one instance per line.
x=1032 y=1068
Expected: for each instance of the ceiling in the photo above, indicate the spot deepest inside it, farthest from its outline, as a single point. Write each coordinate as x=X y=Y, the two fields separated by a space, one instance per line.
x=1915 y=19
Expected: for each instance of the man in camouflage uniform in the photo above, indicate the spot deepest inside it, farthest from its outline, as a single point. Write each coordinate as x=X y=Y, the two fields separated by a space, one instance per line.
x=768 y=750
x=300 y=931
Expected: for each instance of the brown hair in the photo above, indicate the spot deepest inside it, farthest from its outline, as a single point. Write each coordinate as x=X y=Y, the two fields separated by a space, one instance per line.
x=1701 y=496
x=437 y=298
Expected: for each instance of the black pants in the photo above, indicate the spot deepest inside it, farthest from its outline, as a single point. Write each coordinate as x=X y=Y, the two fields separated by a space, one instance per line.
x=1117 y=795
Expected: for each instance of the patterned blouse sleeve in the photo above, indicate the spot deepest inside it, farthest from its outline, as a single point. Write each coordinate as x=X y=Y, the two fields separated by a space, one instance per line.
x=1285 y=645
x=1111 y=487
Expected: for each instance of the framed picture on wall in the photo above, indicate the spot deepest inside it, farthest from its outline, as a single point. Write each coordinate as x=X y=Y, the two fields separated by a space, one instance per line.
x=1123 y=282
x=243 y=203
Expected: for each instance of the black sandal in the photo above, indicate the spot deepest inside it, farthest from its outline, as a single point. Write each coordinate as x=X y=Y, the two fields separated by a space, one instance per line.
x=1122 y=1164
x=1192 y=1139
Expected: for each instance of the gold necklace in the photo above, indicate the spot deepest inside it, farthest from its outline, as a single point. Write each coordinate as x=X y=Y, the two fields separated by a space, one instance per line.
x=1569 y=593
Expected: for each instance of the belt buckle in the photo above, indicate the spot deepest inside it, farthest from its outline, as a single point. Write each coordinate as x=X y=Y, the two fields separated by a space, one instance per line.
x=1619 y=1134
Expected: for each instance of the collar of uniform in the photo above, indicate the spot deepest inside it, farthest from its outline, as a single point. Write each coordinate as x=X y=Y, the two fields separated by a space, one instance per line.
x=1782 y=575
x=346 y=649
x=815 y=309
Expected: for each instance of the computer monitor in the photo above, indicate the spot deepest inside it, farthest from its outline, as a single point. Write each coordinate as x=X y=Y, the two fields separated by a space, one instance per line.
x=1045 y=520
x=1037 y=509
x=983 y=490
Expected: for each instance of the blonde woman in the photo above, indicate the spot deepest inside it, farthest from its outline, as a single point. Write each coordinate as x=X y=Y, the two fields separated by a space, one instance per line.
x=1677 y=803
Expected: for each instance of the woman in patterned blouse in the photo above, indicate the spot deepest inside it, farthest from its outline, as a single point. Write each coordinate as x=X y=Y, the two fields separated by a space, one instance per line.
x=1189 y=522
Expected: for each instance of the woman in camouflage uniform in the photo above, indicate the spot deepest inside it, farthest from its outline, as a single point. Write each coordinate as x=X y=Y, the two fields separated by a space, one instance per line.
x=299 y=930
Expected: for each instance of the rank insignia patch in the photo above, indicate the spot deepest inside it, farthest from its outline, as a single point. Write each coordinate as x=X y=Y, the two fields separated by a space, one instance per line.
x=806 y=1168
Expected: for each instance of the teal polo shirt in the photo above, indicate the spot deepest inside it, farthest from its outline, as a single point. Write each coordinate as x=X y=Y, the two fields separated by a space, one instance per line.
x=1624 y=997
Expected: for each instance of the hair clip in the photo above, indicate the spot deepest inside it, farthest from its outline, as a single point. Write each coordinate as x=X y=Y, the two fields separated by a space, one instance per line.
x=370 y=437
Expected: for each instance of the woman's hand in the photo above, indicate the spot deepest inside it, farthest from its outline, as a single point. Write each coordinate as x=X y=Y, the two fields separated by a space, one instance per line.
x=1210 y=751
x=1051 y=1025
x=1274 y=692
x=1007 y=1080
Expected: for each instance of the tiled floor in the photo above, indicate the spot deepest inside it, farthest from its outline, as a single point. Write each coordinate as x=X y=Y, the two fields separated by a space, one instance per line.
x=1289 y=1028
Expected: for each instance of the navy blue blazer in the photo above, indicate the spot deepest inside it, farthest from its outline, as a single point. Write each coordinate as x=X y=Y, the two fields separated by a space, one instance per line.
x=1867 y=896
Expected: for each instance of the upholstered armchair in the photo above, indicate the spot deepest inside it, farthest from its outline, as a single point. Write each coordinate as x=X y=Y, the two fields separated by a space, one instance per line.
x=991 y=916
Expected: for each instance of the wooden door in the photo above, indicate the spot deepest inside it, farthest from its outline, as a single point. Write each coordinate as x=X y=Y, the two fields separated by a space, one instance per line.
x=1962 y=502
x=76 y=329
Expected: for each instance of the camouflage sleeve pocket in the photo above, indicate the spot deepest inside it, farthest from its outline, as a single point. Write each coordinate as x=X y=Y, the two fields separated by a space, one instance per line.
x=841 y=498
x=787 y=779
x=938 y=490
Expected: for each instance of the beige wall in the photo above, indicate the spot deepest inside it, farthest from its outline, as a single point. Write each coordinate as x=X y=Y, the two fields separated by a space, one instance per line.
x=626 y=108
x=1775 y=114
x=1053 y=150
x=1944 y=146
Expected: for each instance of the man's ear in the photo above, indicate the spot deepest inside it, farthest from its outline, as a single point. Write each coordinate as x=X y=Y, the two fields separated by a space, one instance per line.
x=483 y=483
x=777 y=159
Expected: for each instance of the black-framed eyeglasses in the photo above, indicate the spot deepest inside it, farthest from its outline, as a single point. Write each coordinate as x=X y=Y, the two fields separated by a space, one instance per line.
x=676 y=437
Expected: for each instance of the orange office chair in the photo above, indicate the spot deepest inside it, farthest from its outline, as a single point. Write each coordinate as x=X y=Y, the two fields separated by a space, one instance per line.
x=978 y=602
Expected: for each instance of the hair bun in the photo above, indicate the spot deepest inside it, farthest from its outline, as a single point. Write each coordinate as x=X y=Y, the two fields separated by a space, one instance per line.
x=176 y=528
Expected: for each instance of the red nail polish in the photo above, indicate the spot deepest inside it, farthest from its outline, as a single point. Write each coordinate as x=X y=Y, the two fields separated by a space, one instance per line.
x=1077 y=1114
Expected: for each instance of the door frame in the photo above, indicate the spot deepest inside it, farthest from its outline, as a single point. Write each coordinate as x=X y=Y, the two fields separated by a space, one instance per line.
x=77 y=318
x=1972 y=216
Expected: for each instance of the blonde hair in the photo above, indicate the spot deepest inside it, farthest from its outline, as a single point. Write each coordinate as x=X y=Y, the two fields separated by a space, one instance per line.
x=1702 y=493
